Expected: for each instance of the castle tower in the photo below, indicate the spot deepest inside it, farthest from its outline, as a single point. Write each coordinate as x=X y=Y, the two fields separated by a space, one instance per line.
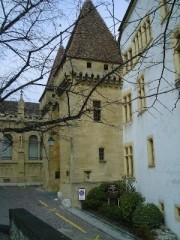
x=90 y=146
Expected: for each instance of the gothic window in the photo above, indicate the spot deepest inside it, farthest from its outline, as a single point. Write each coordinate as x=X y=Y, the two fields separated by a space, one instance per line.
x=164 y=9
x=128 y=158
x=97 y=111
x=177 y=54
x=33 y=147
x=7 y=147
x=141 y=94
x=127 y=108
x=150 y=148
x=105 y=66
x=101 y=154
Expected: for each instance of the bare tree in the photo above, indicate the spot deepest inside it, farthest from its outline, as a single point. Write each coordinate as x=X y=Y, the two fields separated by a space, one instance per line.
x=23 y=40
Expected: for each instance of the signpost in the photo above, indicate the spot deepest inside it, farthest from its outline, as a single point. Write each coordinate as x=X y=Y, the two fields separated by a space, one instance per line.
x=113 y=193
x=82 y=194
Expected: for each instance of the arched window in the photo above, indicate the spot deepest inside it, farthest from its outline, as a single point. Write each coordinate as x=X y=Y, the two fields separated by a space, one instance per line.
x=33 y=147
x=7 y=146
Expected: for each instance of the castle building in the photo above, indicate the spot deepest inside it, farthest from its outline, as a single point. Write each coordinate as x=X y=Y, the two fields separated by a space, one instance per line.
x=87 y=150
x=149 y=42
x=21 y=160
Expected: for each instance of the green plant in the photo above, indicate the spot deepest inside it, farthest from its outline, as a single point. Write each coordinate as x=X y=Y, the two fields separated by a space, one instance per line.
x=145 y=233
x=147 y=214
x=126 y=185
x=110 y=211
x=129 y=201
x=98 y=193
x=91 y=204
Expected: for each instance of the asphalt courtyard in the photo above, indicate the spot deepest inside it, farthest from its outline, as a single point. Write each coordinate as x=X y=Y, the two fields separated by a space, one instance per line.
x=74 y=223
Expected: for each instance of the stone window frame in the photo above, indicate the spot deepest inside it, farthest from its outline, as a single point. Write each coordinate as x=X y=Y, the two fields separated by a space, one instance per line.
x=128 y=160
x=177 y=211
x=96 y=110
x=141 y=94
x=36 y=146
x=141 y=39
x=151 y=152
x=161 y=206
x=176 y=53
x=164 y=10
x=7 y=144
x=127 y=107
x=101 y=154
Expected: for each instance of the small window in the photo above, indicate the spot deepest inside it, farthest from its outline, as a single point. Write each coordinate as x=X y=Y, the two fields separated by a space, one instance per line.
x=53 y=95
x=7 y=147
x=151 y=157
x=161 y=206
x=97 y=111
x=177 y=212
x=141 y=94
x=105 y=66
x=67 y=173
x=6 y=180
x=57 y=175
x=89 y=64
x=87 y=175
x=33 y=147
x=101 y=154
x=127 y=108
x=128 y=161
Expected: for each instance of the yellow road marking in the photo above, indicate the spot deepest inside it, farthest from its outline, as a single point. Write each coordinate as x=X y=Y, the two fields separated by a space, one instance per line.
x=43 y=203
x=96 y=238
x=71 y=223
x=51 y=209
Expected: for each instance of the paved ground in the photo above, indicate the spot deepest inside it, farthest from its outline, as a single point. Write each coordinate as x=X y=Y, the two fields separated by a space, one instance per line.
x=74 y=223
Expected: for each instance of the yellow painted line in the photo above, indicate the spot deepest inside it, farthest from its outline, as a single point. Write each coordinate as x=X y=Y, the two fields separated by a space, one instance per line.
x=96 y=238
x=43 y=203
x=51 y=209
x=71 y=223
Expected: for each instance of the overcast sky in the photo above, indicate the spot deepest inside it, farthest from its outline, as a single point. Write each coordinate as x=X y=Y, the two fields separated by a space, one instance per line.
x=71 y=9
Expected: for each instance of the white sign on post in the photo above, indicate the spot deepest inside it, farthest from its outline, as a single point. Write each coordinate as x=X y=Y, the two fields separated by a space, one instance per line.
x=82 y=194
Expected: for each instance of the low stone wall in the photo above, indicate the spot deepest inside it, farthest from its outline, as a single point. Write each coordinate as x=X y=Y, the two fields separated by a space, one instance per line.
x=25 y=226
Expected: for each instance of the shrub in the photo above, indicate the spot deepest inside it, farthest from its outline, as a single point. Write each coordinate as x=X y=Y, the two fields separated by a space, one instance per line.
x=128 y=204
x=125 y=186
x=145 y=233
x=111 y=211
x=91 y=204
x=98 y=193
x=149 y=215
x=96 y=197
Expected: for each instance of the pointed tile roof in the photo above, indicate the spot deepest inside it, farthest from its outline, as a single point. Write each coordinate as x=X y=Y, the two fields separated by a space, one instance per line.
x=11 y=107
x=91 y=38
x=56 y=64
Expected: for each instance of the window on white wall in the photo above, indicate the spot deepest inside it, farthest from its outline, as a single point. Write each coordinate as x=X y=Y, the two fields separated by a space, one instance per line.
x=128 y=160
x=7 y=147
x=141 y=94
x=151 y=155
x=177 y=53
x=33 y=147
x=127 y=108
x=177 y=212
x=164 y=9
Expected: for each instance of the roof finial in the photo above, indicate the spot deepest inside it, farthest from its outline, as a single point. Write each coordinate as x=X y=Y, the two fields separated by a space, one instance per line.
x=21 y=95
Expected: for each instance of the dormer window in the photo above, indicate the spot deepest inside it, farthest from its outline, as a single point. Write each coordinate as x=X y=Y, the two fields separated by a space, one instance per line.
x=89 y=64
x=105 y=66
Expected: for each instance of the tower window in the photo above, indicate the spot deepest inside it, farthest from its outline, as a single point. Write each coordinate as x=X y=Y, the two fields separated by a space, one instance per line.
x=105 y=66
x=89 y=64
x=97 y=111
x=101 y=154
